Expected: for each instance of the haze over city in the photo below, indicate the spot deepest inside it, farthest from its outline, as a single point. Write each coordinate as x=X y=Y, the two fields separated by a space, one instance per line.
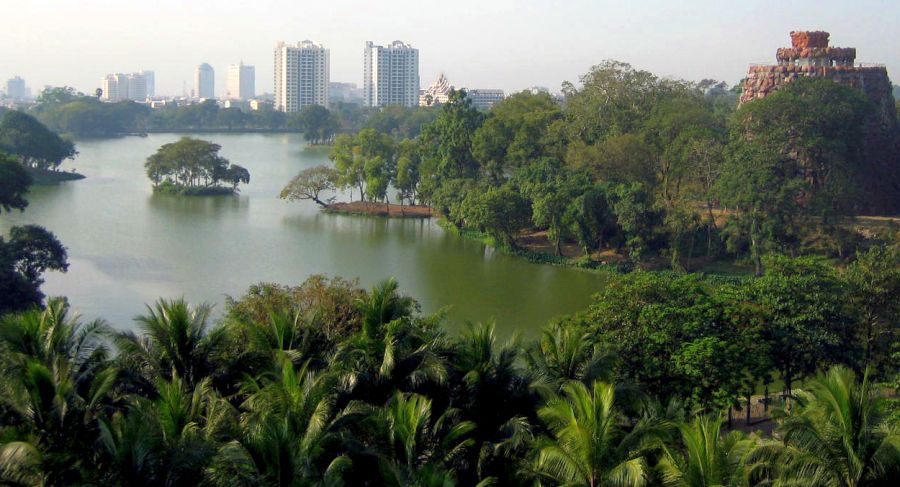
x=507 y=44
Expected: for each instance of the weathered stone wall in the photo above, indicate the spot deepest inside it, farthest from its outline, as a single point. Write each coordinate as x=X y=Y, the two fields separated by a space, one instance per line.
x=810 y=56
x=803 y=39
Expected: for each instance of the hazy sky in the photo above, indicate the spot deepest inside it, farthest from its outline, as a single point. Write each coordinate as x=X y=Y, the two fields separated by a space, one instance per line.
x=509 y=44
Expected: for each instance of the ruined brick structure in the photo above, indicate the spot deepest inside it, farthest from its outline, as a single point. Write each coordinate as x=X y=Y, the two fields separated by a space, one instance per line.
x=811 y=56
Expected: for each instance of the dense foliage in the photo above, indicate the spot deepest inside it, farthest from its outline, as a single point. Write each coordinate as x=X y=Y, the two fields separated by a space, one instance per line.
x=28 y=251
x=36 y=146
x=193 y=166
x=654 y=169
x=329 y=384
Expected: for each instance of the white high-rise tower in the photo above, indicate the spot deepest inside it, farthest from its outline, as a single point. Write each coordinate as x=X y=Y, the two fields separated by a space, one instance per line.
x=302 y=76
x=241 y=82
x=391 y=75
x=205 y=81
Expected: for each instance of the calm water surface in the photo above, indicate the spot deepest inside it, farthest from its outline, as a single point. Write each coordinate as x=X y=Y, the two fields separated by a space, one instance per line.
x=127 y=247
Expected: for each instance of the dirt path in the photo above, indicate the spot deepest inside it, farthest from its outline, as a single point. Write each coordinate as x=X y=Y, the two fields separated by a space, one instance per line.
x=382 y=209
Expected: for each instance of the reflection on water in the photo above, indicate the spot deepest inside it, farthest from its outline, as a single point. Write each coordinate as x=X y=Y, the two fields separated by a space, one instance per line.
x=129 y=247
x=206 y=206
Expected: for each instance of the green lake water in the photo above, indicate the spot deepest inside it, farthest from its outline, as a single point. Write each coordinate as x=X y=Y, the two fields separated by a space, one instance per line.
x=127 y=247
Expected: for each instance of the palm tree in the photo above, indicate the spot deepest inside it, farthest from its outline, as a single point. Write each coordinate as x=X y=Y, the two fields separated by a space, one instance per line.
x=590 y=445
x=394 y=350
x=837 y=436
x=50 y=335
x=706 y=458
x=177 y=342
x=53 y=382
x=496 y=395
x=565 y=353
x=420 y=449
x=288 y=423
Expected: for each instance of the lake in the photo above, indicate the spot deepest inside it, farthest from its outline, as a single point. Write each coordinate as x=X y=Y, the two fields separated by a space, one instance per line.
x=128 y=247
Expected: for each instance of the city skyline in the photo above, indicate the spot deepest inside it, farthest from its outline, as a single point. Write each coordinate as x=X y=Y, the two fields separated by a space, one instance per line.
x=538 y=43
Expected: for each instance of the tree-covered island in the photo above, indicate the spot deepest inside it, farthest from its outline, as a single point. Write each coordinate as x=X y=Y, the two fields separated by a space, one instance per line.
x=194 y=167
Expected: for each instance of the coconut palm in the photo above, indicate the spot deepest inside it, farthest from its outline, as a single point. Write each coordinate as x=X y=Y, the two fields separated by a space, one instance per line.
x=590 y=443
x=53 y=383
x=177 y=342
x=286 y=428
x=566 y=352
x=394 y=350
x=50 y=335
x=837 y=436
x=495 y=394
x=419 y=448
x=706 y=458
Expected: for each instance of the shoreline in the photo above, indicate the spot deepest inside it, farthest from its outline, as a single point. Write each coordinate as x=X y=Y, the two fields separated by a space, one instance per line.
x=384 y=210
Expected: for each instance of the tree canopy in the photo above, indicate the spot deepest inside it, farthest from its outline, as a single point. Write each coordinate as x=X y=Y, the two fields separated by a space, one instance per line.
x=193 y=166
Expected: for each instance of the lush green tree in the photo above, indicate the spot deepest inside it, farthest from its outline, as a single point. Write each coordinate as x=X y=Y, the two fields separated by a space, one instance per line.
x=807 y=328
x=399 y=121
x=625 y=158
x=29 y=252
x=614 y=99
x=447 y=142
x=14 y=183
x=636 y=216
x=193 y=166
x=873 y=281
x=34 y=144
x=551 y=191
x=409 y=161
x=317 y=123
x=514 y=133
x=764 y=190
x=310 y=183
x=837 y=436
x=362 y=159
x=500 y=212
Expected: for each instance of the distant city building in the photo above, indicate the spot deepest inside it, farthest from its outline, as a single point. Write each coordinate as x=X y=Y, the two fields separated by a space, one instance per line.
x=120 y=86
x=240 y=84
x=302 y=76
x=205 y=81
x=15 y=89
x=391 y=75
x=436 y=94
x=344 y=92
x=535 y=90
x=485 y=99
x=150 y=82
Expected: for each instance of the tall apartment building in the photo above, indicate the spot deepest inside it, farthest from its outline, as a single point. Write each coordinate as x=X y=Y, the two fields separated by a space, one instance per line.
x=120 y=86
x=150 y=80
x=302 y=75
x=391 y=75
x=205 y=81
x=240 y=84
x=15 y=89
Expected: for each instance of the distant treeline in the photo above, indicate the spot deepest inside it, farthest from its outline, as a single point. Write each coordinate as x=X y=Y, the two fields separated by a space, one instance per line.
x=67 y=111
